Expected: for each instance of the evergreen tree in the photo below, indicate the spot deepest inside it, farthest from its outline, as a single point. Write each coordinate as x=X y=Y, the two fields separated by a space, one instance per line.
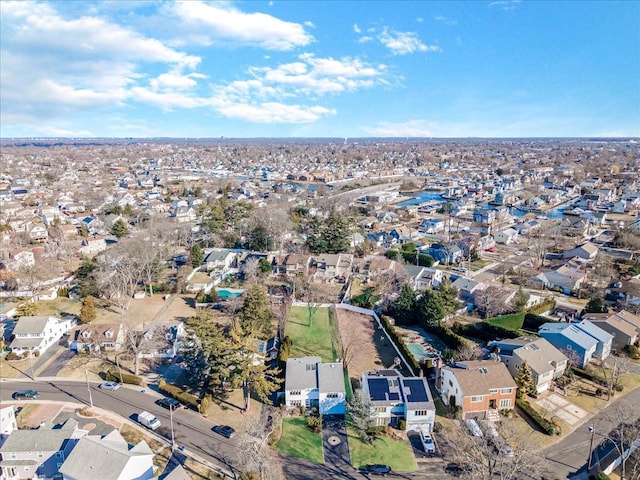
x=595 y=305
x=87 y=310
x=119 y=228
x=255 y=314
x=524 y=380
x=360 y=416
x=430 y=309
x=449 y=296
x=197 y=256
x=404 y=306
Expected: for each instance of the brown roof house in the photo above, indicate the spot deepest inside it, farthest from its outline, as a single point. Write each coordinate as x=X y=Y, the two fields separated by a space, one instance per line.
x=623 y=325
x=481 y=388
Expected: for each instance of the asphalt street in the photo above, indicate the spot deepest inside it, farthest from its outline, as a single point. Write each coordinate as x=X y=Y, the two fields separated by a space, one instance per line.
x=568 y=457
x=191 y=430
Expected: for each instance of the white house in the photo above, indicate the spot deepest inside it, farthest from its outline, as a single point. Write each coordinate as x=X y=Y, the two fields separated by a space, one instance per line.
x=97 y=337
x=7 y=422
x=109 y=456
x=311 y=383
x=393 y=398
x=91 y=246
x=38 y=333
x=506 y=236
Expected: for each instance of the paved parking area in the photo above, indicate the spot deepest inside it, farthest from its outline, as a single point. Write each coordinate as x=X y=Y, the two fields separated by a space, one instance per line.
x=562 y=408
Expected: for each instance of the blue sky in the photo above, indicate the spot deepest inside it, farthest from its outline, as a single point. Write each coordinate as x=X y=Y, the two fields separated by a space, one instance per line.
x=502 y=68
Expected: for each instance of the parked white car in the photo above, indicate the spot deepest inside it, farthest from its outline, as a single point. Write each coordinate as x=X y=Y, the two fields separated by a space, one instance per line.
x=427 y=442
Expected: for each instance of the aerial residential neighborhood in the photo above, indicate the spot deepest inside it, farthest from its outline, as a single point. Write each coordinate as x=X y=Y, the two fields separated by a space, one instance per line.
x=213 y=309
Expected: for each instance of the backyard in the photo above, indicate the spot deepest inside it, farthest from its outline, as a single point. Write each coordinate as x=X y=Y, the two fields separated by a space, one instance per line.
x=313 y=334
x=298 y=441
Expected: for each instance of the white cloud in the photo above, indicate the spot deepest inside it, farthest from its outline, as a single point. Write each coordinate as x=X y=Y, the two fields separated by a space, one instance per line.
x=365 y=39
x=505 y=4
x=210 y=23
x=410 y=128
x=356 y=28
x=404 y=43
x=445 y=20
x=274 y=112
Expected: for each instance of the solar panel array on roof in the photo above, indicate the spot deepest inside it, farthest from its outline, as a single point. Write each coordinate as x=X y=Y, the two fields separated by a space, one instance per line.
x=378 y=389
x=417 y=392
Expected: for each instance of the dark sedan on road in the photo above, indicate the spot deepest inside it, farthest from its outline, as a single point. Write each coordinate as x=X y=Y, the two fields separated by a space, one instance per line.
x=25 y=395
x=377 y=469
x=169 y=403
x=224 y=430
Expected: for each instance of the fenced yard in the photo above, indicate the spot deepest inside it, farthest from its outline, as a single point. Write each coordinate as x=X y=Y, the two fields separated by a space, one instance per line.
x=313 y=332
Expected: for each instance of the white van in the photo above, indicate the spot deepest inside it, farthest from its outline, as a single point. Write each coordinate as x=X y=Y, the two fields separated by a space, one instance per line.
x=474 y=428
x=148 y=420
x=427 y=442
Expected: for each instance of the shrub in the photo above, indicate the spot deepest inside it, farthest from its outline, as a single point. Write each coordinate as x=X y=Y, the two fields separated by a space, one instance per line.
x=13 y=356
x=183 y=397
x=545 y=306
x=546 y=426
x=437 y=427
x=128 y=378
x=399 y=342
x=533 y=321
x=36 y=353
x=402 y=424
x=314 y=423
x=632 y=351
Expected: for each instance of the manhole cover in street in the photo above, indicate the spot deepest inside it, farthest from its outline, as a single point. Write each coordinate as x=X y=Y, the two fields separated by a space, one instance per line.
x=333 y=440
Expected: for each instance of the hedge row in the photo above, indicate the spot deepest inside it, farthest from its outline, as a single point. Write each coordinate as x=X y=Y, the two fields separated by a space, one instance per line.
x=545 y=306
x=448 y=336
x=546 y=426
x=483 y=331
x=399 y=341
x=533 y=321
x=112 y=376
x=186 y=398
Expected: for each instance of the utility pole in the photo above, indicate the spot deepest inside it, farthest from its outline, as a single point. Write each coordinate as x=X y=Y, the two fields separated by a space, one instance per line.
x=86 y=376
x=171 y=409
x=592 y=429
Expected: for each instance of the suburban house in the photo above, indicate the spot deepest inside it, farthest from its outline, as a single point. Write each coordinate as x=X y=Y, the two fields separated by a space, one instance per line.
x=296 y=264
x=220 y=261
x=626 y=291
x=565 y=278
x=586 y=251
x=506 y=236
x=92 y=246
x=311 y=383
x=330 y=266
x=162 y=340
x=604 y=339
x=431 y=226
x=620 y=325
x=38 y=453
x=467 y=287
x=393 y=398
x=421 y=278
x=112 y=456
x=38 y=333
x=8 y=422
x=545 y=361
x=444 y=253
x=98 y=337
x=481 y=388
x=576 y=344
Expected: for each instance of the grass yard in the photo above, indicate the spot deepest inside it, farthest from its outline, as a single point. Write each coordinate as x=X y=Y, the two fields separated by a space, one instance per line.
x=133 y=436
x=398 y=454
x=512 y=321
x=298 y=441
x=312 y=338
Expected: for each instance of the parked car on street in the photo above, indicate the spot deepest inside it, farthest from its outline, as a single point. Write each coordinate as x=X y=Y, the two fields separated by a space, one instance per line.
x=109 y=386
x=224 y=430
x=377 y=469
x=25 y=395
x=148 y=420
x=169 y=403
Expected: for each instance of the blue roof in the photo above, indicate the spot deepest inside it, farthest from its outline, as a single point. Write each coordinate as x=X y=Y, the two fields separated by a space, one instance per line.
x=571 y=332
x=594 y=331
x=379 y=390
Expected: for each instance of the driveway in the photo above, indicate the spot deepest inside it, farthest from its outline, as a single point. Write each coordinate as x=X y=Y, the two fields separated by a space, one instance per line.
x=334 y=442
x=52 y=361
x=560 y=407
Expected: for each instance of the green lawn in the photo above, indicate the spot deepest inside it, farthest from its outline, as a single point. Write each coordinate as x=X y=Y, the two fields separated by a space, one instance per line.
x=395 y=453
x=298 y=441
x=311 y=338
x=512 y=321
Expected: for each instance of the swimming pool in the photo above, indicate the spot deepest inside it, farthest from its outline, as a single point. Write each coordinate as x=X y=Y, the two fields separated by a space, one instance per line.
x=227 y=293
x=419 y=352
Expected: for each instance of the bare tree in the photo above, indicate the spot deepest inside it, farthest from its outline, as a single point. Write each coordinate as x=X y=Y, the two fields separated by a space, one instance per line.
x=255 y=455
x=466 y=352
